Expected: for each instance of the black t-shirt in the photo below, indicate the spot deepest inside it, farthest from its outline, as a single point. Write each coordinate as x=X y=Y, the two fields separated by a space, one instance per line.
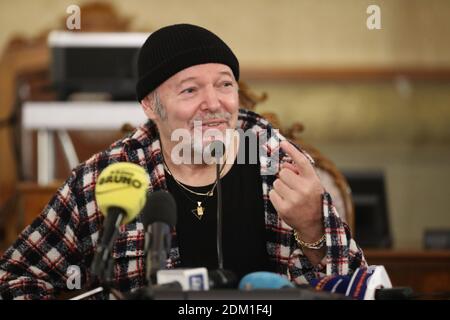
x=244 y=241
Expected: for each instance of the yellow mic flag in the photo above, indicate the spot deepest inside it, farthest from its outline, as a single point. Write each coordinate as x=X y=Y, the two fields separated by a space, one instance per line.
x=123 y=185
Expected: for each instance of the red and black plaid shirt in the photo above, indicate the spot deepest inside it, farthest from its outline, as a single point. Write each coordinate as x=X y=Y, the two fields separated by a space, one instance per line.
x=66 y=232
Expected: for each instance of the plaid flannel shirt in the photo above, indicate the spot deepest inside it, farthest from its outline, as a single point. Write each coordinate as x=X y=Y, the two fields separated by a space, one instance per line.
x=66 y=233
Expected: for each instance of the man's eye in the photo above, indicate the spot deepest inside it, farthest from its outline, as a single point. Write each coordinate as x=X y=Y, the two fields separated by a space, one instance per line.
x=228 y=84
x=188 y=90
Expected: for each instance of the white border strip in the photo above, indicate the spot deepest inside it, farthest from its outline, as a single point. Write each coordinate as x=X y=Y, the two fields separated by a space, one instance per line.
x=96 y=39
x=81 y=115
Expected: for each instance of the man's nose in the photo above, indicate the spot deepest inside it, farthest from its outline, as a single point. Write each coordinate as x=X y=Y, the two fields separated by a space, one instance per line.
x=211 y=99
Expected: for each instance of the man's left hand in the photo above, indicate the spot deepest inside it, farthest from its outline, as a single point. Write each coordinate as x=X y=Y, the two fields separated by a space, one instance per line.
x=297 y=195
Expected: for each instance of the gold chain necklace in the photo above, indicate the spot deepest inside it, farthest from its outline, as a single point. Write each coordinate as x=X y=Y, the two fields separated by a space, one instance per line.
x=200 y=210
x=209 y=193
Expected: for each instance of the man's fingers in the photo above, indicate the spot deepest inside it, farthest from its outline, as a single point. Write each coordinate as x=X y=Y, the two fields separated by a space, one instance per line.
x=303 y=164
x=291 y=179
x=290 y=166
x=283 y=189
x=277 y=201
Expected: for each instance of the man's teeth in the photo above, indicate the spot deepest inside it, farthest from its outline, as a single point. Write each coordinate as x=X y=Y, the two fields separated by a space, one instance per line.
x=212 y=124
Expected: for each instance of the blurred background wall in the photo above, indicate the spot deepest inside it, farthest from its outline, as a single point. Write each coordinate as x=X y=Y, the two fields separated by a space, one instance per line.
x=398 y=124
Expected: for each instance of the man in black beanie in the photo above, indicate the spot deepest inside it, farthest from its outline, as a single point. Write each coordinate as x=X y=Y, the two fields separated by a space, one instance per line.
x=278 y=220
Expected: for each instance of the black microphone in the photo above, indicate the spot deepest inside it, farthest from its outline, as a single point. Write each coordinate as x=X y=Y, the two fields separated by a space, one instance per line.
x=159 y=215
x=149 y=293
x=120 y=195
x=222 y=279
x=217 y=151
x=397 y=293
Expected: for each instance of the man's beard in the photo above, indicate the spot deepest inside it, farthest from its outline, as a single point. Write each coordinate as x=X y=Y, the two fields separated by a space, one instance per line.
x=195 y=144
x=198 y=143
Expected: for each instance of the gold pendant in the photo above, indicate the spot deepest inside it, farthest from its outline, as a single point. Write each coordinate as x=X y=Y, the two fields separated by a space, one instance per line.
x=199 y=211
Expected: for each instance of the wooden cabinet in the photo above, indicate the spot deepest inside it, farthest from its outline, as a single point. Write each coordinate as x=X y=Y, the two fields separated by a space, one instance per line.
x=423 y=271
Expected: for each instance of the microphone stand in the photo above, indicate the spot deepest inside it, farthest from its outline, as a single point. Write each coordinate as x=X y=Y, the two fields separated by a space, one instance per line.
x=218 y=154
x=219 y=218
x=116 y=294
x=102 y=266
x=105 y=287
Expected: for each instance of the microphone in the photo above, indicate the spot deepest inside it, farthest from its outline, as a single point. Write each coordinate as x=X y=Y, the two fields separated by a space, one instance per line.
x=399 y=293
x=198 y=279
x=120 y=195
x=188 y=279
x=217 y=148
x=173 y=282
x=277 y=285
x=222 y=279
x=159 y=215
x=217 y=151
x=264 y=280
x=370 y=283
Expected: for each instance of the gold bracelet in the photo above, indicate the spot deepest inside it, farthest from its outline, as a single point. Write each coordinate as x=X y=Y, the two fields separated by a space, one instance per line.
x=314 y=246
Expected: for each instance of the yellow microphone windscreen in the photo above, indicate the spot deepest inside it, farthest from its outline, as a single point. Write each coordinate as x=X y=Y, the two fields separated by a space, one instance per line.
x=123 y=185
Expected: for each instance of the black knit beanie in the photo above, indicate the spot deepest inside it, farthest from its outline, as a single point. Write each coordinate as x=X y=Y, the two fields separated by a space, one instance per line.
x=177 y=47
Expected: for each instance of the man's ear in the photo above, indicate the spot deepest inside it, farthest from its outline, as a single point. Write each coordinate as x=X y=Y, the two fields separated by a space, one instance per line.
x=147 y=106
